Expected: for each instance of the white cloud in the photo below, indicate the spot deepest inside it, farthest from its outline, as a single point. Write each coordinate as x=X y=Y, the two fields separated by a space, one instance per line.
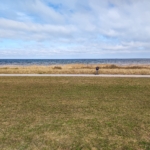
x=9 y=28
x=124 y=26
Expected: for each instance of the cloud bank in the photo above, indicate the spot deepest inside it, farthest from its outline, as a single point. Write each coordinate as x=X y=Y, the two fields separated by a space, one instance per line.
x=74 y=29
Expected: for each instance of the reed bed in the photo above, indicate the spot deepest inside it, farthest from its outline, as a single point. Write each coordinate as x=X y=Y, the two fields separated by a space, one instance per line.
x=77 y=69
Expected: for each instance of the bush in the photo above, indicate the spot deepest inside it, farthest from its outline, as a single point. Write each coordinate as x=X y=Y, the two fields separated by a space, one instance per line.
x=57 y=67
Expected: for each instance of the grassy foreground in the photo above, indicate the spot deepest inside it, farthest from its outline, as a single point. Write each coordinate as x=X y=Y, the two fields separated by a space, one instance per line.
x=74 y=113
x=77 y=69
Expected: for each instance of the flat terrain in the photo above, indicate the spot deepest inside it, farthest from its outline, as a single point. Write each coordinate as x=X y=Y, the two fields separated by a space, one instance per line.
x=76 y=113
x=77 y=69
x=74 y=75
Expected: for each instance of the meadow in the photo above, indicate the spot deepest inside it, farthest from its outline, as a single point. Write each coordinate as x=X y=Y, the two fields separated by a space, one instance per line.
x=74 y=113
x=77 y=69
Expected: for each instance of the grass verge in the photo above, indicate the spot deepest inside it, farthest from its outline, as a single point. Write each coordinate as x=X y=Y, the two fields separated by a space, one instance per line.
x=71 y=113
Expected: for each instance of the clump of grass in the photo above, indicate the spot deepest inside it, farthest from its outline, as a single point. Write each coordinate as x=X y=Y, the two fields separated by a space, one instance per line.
x=4 y=68
x=110 y=66
x=136 y=67
x=57 y=67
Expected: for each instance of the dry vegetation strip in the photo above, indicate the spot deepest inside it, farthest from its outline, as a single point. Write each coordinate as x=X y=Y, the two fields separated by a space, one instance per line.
x=50 y=113
x=76 y=69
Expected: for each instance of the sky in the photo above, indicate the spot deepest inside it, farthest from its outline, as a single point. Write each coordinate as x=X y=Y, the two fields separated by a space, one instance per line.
x=74 y=29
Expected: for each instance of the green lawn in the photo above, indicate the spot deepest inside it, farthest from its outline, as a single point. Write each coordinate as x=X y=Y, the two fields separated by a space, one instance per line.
x=74 y=113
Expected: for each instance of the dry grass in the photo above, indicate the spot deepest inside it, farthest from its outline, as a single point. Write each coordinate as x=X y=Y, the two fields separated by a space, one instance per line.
x=76 y=69
x=74 y=113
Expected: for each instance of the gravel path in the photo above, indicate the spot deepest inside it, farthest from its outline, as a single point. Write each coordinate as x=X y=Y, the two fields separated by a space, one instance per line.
x=73 y=75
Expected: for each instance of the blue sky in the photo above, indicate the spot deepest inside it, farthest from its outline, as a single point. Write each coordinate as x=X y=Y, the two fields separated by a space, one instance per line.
x=74 y=29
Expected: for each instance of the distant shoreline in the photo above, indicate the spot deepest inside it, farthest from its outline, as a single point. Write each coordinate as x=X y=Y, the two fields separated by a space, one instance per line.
x=47 y=62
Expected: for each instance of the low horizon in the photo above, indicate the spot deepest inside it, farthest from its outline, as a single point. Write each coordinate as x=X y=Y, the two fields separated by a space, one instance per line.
x=71 y=58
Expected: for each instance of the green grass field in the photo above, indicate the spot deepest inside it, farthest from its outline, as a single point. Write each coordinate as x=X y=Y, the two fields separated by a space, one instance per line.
x=74 y=113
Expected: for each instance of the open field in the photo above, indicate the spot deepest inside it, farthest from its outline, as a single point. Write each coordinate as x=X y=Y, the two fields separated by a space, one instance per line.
x=73 y=113
x=76 y=69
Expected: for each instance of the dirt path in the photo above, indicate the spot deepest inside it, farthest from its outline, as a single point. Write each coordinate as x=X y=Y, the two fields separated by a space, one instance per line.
x=73 y=75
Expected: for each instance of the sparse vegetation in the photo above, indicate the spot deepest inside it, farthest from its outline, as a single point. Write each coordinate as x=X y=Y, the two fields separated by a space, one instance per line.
x=57 y=67
x=77 y=69
x=71 y=113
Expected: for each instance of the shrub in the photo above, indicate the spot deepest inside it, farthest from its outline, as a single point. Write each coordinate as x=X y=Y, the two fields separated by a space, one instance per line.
x=57 y=67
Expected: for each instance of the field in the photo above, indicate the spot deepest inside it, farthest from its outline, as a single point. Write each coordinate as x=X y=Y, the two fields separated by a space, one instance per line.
x=74 y=113
x=77 y=69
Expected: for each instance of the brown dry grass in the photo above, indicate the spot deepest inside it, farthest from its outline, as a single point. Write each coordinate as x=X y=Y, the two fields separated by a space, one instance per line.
x=76 y=69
